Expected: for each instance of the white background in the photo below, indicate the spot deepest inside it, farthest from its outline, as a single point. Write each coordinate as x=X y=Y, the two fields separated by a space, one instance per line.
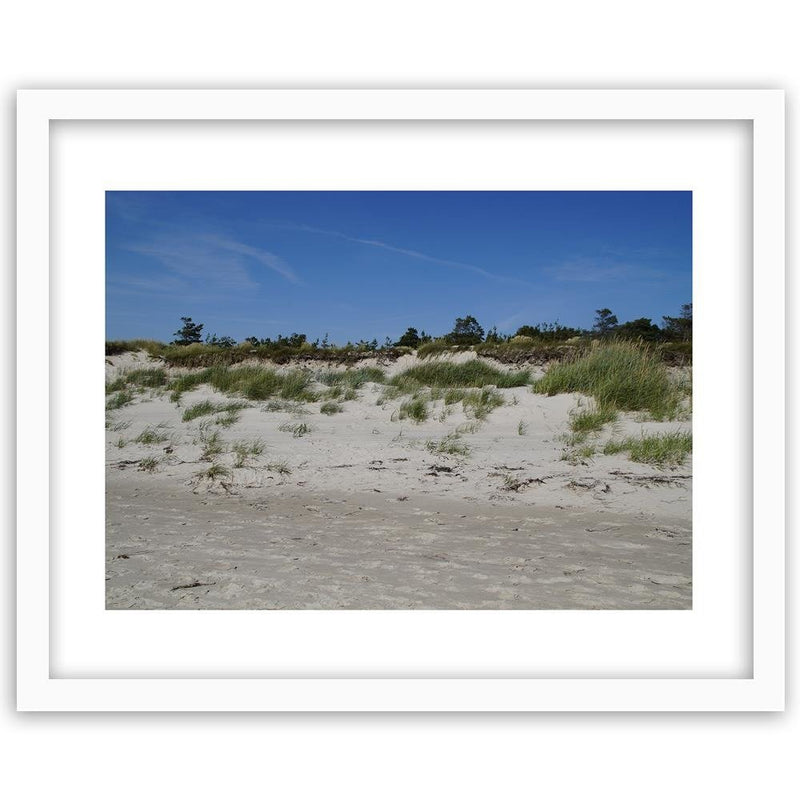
x=613 y=44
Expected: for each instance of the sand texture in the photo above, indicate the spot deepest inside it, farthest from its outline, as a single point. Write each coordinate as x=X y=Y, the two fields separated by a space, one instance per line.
x=360 y=512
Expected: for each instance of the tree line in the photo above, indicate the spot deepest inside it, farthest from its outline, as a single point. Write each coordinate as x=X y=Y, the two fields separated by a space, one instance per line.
x=468 y=331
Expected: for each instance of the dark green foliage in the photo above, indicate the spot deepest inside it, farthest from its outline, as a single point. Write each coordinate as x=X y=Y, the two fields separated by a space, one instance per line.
x=605 y=323
x=189 y=333
x=679 y=329
x=547 y=332
x=221 y=341
x=409 y=339
x=641 y=328
x=466 y=331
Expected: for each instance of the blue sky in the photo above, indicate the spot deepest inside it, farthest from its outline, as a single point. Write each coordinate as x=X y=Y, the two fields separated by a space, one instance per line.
x=370 y=264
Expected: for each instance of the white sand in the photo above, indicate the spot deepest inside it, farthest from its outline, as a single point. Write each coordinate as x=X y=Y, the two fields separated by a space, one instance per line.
x=368 y=517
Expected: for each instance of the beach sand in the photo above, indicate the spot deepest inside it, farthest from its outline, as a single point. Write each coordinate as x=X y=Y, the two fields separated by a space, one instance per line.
x=359 y=513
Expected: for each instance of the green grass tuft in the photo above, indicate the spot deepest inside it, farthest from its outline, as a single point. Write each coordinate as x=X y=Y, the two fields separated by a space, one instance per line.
x=450 y=446
x=592 y=419
x=298 y=429
x=119 y=400
x=152 y=435
x=623 y=375
x=415 y=409
x=353 y=378
x=666 y=449
x=478 y=405
x=472 y=373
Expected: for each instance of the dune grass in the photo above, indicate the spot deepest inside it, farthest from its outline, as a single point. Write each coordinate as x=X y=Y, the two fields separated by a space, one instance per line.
x=152 y=435
x=415 y=409
x=450 y=446
x=627 y=376
x=470 y=374
x=213 y=446
x=478 y=405
x=206 y=407
x=251 y=382
x=330 y=409
x=353 y=378
x=245 y=451
x=591 y=419
x=665 y=449
x=298 y=429
x=119 y=400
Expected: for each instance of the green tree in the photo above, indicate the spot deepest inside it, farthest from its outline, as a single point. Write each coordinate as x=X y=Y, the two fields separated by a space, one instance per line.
x=466 y=331
x=641 y=328
x=189 y=333
x=493 y=337
x=679 y=329
x=605 y=323
x=409 y=339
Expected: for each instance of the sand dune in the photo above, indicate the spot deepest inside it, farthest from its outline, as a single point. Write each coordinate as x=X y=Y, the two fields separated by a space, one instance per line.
x=361 y=512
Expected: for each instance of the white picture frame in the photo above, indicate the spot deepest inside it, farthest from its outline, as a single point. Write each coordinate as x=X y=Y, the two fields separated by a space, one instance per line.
x=756 y=684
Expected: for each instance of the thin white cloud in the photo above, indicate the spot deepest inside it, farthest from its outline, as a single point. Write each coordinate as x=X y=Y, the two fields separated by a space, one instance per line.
x=216 y=262
x=270 y=260
x=445 y=262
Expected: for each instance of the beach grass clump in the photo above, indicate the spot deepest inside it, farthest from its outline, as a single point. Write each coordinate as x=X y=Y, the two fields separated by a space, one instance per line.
x=664 y=449
x=213 y=446
x=434 y=348
x=522 y=427
x=186 y=383
x=453 y=396
x=213 y=473
x=119 y=400
x=449 y=445
x=148 y=464
x=415 y=409
x=478 y=405
x=150 y=346
x=353 y=378
x=289 y=406
x=627 y=376
x=592 y=419
x=152 y=435
x=147 y=378
x=297 y=429
x=206 y=407
x=281 y=467
x=245 y=451
x=330 y=409
x=469 y=374
x=251 y=382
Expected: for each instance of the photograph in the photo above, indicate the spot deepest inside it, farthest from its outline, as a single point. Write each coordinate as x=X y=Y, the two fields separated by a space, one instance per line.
x=361 y=400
